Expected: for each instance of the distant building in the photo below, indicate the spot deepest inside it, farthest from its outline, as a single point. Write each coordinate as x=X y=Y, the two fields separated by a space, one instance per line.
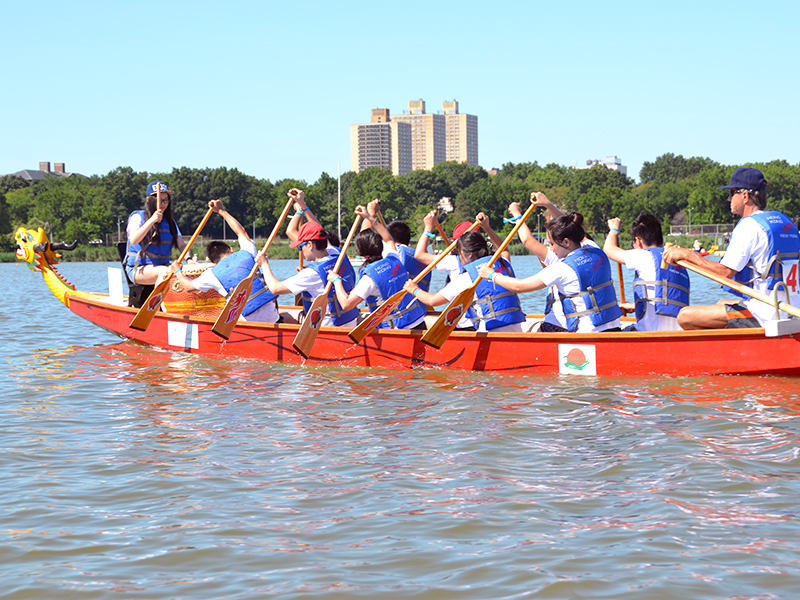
x=31 y=175
x=461 y=135
x=431 y=139
x=381 y=143
x=612 y=162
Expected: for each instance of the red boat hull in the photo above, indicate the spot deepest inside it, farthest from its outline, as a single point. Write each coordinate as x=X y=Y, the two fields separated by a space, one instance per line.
x=744 y=351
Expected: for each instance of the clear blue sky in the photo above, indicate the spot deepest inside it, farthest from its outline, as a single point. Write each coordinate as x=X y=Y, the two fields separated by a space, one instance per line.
x=271 y=88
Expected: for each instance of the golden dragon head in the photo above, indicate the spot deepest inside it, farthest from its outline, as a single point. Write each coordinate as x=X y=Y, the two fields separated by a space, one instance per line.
x=35 y=249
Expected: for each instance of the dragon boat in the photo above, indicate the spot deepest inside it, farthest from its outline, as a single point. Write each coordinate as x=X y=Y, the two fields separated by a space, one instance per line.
x=186 y=322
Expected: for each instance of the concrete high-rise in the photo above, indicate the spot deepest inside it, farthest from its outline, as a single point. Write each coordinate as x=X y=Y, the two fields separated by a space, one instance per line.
x=415 y=139
x=381 y=143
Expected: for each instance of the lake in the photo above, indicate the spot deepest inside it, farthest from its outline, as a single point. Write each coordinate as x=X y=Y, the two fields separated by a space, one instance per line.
x=135 y=472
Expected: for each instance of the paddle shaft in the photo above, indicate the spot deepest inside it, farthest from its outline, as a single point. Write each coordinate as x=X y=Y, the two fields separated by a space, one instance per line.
x=274 y=233
x=621 y=283
x=742 y=289
x=441 y=232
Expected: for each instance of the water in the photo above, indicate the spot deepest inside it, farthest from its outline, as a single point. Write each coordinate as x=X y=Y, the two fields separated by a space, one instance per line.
x=136 y=472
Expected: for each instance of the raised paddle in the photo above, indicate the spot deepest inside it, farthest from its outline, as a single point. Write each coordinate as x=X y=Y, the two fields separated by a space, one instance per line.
x=437 y=335
x=442 y=233
x=149 y=309
x=307 y=335
x=621 y=284
x=378 y=316
x=735 y=285
x=229 y=316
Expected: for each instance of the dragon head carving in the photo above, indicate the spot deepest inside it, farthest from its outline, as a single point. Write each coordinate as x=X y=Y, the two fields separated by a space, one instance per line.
x=35 y=249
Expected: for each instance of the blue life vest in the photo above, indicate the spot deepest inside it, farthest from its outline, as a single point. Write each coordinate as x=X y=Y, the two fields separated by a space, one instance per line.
x=233 y=269
x=153 y=254
x=784 y=243
x=389 y=275
x=671 y=288
x=413 y=266
x=494 y=304
x=593 y=269
x=322 y=267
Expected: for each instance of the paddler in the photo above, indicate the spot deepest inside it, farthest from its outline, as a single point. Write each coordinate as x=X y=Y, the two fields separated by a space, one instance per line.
x=152 y=234
x=659 y=294
x=382 y=276
x=495 y=307
x=319 y=258
x=582 y=278
x=763 y=251
x=232 y=267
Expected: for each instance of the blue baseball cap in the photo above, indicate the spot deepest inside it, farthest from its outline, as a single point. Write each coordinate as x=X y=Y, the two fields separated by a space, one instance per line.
x=151 y=188
x=745 y=178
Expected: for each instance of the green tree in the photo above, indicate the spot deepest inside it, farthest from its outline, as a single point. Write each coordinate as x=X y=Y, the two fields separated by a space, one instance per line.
x=669 y=168
x=459 y=176
x=9 y=183
x=375 y=182
x=426 y=188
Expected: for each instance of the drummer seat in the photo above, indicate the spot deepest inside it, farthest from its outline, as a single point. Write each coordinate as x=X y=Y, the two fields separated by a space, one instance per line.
x=137 y=294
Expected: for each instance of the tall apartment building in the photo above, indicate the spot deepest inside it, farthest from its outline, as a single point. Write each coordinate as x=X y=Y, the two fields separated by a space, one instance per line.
x=415 y=139
x=461 y=135
x=428 y=135
x=381 y=143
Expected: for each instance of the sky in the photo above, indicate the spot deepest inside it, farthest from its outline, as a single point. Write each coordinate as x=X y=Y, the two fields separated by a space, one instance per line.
x=271 y=88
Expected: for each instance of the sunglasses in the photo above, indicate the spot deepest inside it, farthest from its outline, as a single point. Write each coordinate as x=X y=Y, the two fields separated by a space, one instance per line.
x=300 y=245
x=732 y=193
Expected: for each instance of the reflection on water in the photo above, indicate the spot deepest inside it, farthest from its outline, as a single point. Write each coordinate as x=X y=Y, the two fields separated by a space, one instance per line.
x=165 y=475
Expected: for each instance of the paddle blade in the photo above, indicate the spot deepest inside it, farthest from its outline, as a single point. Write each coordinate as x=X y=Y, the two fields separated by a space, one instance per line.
x=304 y=340
x=229 y=316
x=149 y=309
x=376 y=317
x=437 y=335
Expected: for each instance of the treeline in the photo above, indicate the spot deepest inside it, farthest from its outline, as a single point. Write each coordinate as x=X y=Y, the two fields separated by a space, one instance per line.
x=71 y=208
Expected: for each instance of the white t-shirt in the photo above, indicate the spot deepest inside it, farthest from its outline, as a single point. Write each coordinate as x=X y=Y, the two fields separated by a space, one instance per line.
x=565 y=279
x=307 y=280
x=749 y=242
x=208 y=281
x=643 y=263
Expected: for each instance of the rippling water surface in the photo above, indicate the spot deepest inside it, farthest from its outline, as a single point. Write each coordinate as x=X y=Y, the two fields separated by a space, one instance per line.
x=134 y=472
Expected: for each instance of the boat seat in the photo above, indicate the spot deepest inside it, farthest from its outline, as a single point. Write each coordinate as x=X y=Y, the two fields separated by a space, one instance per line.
x=137 y=294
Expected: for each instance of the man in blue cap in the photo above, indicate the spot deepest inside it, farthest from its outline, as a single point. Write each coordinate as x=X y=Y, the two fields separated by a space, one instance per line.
x=763 y=251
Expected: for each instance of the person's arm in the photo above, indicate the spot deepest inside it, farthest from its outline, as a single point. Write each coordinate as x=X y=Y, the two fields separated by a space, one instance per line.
x=421 y=252
x=539 y=199
x=275 y=286
x=301 y=210
x=529 y=284
x=233 y=223
x=346 y=301
x=673 y=254
x=537 y=248
x=370 y=218
x=370 y=215
x=484 y=221
x=135 y=236
x=611 y=245
x=426 y=298
x=185 y=282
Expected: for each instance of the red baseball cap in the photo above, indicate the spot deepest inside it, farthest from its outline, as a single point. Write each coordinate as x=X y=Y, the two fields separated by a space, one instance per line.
x=308 y=232
x=461 y=228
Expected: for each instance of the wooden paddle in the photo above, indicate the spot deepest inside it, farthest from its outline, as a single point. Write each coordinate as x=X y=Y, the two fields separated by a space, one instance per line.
x=149 y=309
x=437 y=335
x=621 y=284
x=442 y=233
x=378 y=316
x=229 y=316
x=735 y=285
x=307 y=335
